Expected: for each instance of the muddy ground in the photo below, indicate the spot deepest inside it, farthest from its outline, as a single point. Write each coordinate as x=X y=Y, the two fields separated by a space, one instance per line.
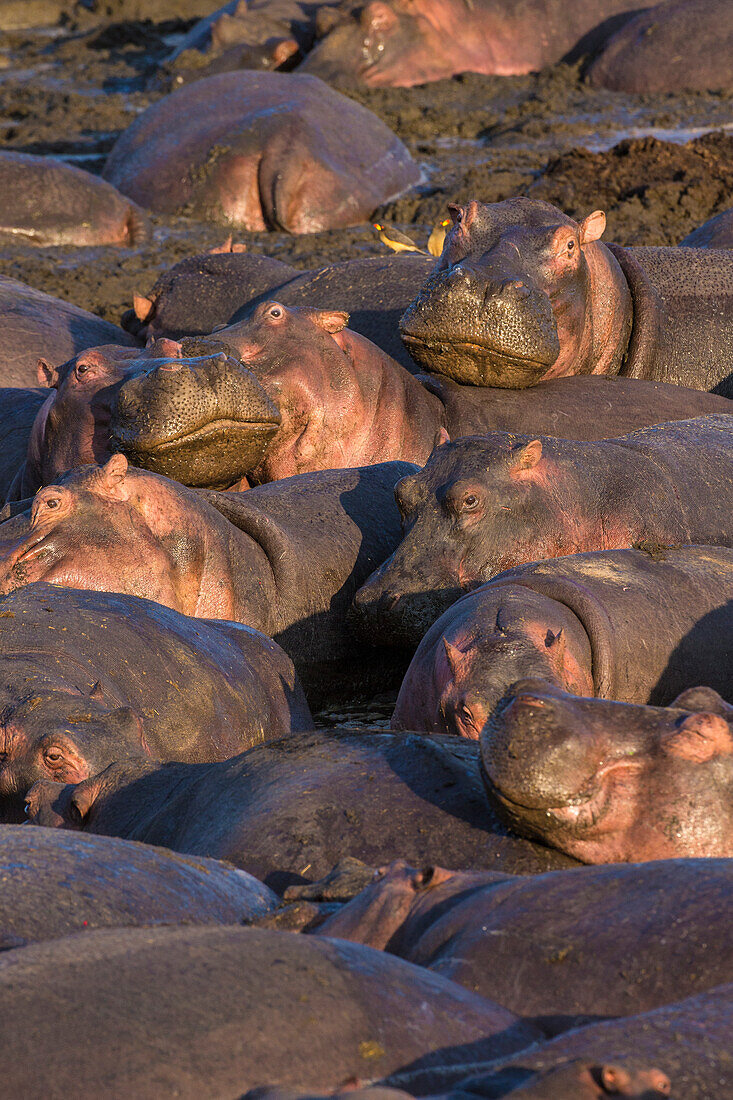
x=69 y=91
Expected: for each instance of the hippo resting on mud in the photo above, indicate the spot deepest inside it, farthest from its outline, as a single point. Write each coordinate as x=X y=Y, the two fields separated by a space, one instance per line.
x=87 y=678
x=610 y=782
x=56 y=883
x=47 y=202
x=575 y=621
x=261 y=150
x=715 y=233
x=406 y=42
x=485 y=504
x=289 y=810
x=523 y=293
x=284 y=558
x=499 y=935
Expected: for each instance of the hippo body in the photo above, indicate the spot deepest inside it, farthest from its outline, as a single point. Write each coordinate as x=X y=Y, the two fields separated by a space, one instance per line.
x=523 y=293
x=289 y=810
x=18 y=411
x=577 y=624
x=35 y=326
x=52 y=203
x=557 y=945
x=175 y=998
x=261 y=150
x=485 y=504
x=56 y=883
x=717 y=232
x=284 y=558
x=612 y=782
x=676 y=46
x=87 y=678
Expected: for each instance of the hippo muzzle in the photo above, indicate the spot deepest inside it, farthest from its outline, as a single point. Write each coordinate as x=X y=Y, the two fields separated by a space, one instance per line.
x=205 y=421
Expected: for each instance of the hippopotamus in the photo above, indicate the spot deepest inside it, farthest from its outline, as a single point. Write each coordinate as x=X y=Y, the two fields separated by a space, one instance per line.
x=288 y=810
x=717 y=232
x=400 y=43
x=176 y=997
x=261 y=150
x=675 y=46
x=523 y=293
x=574 y=621
x=52 y=203
x=36 y=325
x=87 y=678
x=18 y=411
x=487 y=503
x=611 y=782
x=56 y=883
x=284 y=558
x=474 y=928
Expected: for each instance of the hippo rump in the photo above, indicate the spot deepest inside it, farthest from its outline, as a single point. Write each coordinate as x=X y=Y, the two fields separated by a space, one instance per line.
x=52 y=203
x=56 y=883
x=399 y=43
x=575 y=621
x=261 y=150
x=611 y=782
x=284 y=558
x=202 y=292
x=574 y=932
x=487 y=503
x=288 y=810
x=523 y=293
x=87 y=678
x=676 y=46
x=717 y=232
x=35 y=325
x=162 y=1008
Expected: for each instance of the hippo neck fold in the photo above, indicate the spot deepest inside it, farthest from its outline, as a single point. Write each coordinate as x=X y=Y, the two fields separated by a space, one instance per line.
x=640 y=353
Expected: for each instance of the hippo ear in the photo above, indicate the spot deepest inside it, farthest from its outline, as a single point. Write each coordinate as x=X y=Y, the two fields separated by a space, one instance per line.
x=379 y=16
x=111 y=476
x=456 y=212
x=699 y=738
x=331 y=320
x=285 y=48
x=456 y=658
x=441 y=437
x=142 y=307
x=591 y=228
x=47 y=375
x=614 y=1079
x=527 y=457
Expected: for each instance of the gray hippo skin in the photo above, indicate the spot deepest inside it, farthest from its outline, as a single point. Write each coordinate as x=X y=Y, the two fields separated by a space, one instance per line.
x=715 y=233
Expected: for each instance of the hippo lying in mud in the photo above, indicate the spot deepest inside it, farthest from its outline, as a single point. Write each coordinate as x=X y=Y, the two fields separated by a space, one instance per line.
x=485 y=504
x=523 y=293
x=715 y=233
x=676 y=46
x=18 y=411
x=261 y=150
x=289 y=810
x=284 y=558
x=35 y=325
x=197 y=1012
x=87 y=678
x=48 y=202
x=56 y=883
x=611 y=782
x=574 y=621
x=500 y=935
x=400 y=42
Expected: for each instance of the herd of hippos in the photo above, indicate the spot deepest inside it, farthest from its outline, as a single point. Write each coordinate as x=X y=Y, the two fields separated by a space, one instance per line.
x=498 y=482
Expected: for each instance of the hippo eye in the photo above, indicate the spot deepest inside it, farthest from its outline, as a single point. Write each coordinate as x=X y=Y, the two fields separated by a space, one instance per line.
x=466 y=714
x=470 y=502
x=571 y=245
x=275 y=311
x=53 y=755
x=52 y=502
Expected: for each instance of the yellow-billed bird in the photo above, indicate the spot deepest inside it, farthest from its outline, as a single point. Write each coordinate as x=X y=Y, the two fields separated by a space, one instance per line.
x=394 y=239
x=437 y=237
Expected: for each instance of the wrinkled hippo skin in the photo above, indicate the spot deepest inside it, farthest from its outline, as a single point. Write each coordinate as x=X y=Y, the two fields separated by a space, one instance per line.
x=199 y=293
x=715 y=233
x=284 y=558
x=611 y=782
x=87 y=678
x=677 y=46
x=261 y=150
x=35 y=325
x=176 y=997
x=287 y=811
x=52 y=203
x=558 y=945
x=523 y=293
x=396 y=43
x=485 y=504
x=575 y=621
x=56 y=883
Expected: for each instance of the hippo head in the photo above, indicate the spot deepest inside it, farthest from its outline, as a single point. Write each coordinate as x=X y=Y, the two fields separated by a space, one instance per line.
x=520 y=293
x=83 y=805
x=204 y=421
x=610 y=782
x=584 y=1080
x=64 y=737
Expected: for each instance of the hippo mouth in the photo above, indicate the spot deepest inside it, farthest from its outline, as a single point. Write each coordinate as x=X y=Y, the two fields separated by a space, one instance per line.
x=477 y=364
